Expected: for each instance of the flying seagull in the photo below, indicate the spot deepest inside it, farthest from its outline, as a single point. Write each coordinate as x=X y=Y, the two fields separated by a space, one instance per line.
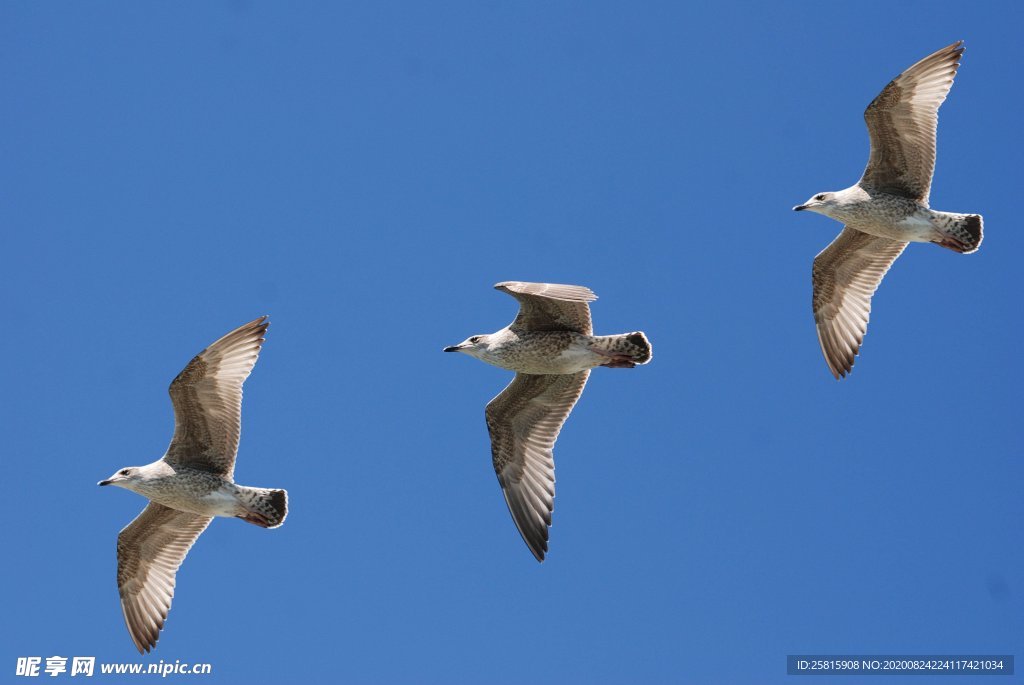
x=887 y=208
x=191 y=483
x=552 y=349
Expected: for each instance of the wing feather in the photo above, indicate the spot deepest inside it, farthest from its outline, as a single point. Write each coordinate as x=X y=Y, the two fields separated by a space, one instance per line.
x=550 y=306
x=845 y=276
x=902 y=122
x=150 y=550
x=524 y=422
x=207 y=399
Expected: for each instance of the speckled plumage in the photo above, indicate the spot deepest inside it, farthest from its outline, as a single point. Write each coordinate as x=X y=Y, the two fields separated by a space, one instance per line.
x=554 y=352
x=887 y=208
x=552 y=349
x=192 y=483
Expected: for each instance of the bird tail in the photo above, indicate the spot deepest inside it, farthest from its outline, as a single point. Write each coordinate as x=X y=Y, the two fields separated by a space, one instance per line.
x=265 y=508
x=960 y=232
x=625 y=350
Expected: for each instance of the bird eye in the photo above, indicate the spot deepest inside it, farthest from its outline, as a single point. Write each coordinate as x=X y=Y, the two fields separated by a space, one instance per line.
x=820 y=197
x=475 y=339
x=125 y=472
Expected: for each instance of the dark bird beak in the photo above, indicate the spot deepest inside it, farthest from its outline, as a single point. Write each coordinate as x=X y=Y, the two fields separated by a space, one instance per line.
x=452 y=348
x=105 y=482
x=799 y=208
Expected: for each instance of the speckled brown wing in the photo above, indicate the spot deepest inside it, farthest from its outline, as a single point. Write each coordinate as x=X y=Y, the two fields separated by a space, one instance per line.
x=207 y=398
x=550 y=306
x=902 y=121
x=845 y=276
x=524 y=422
x=149 y=551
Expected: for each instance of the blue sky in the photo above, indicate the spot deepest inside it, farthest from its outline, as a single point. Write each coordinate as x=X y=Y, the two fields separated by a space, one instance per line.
x=364 y=173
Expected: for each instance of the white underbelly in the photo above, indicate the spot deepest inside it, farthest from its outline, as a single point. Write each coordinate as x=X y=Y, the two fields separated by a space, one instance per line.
x=572 y=359
x=219 y=503
x=577 y=358
x=916 y=228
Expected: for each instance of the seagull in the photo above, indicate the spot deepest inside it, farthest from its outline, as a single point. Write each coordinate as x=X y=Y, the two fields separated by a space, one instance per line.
x=552 y=349
x=191 y=483
x=887 y=208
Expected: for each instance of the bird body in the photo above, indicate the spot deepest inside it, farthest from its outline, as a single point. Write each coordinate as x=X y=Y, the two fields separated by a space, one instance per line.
x=204 y=493
x=894 y=217
x=557 y=352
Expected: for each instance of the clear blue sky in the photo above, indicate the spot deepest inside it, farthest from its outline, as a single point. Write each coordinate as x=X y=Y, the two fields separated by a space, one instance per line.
x=364 y=173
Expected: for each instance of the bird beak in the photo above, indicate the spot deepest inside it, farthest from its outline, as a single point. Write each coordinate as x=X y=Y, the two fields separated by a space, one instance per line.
x=105 y=482
x=452 y=348
x=799 y=208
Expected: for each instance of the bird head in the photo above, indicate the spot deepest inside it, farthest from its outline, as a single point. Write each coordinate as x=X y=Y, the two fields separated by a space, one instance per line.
x=125 y=478
x=822 y=203
x=473 y=346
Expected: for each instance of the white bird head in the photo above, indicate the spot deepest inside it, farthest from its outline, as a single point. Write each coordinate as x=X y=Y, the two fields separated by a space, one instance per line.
x=125 y=478
x=474 y=346
x=822 y=203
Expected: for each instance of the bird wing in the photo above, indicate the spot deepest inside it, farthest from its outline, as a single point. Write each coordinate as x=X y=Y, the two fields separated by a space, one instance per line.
x=901 y=123
x=524 y=422
x=845 y=276
x=149 y=551
x=207 y=399
x=550 y=306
